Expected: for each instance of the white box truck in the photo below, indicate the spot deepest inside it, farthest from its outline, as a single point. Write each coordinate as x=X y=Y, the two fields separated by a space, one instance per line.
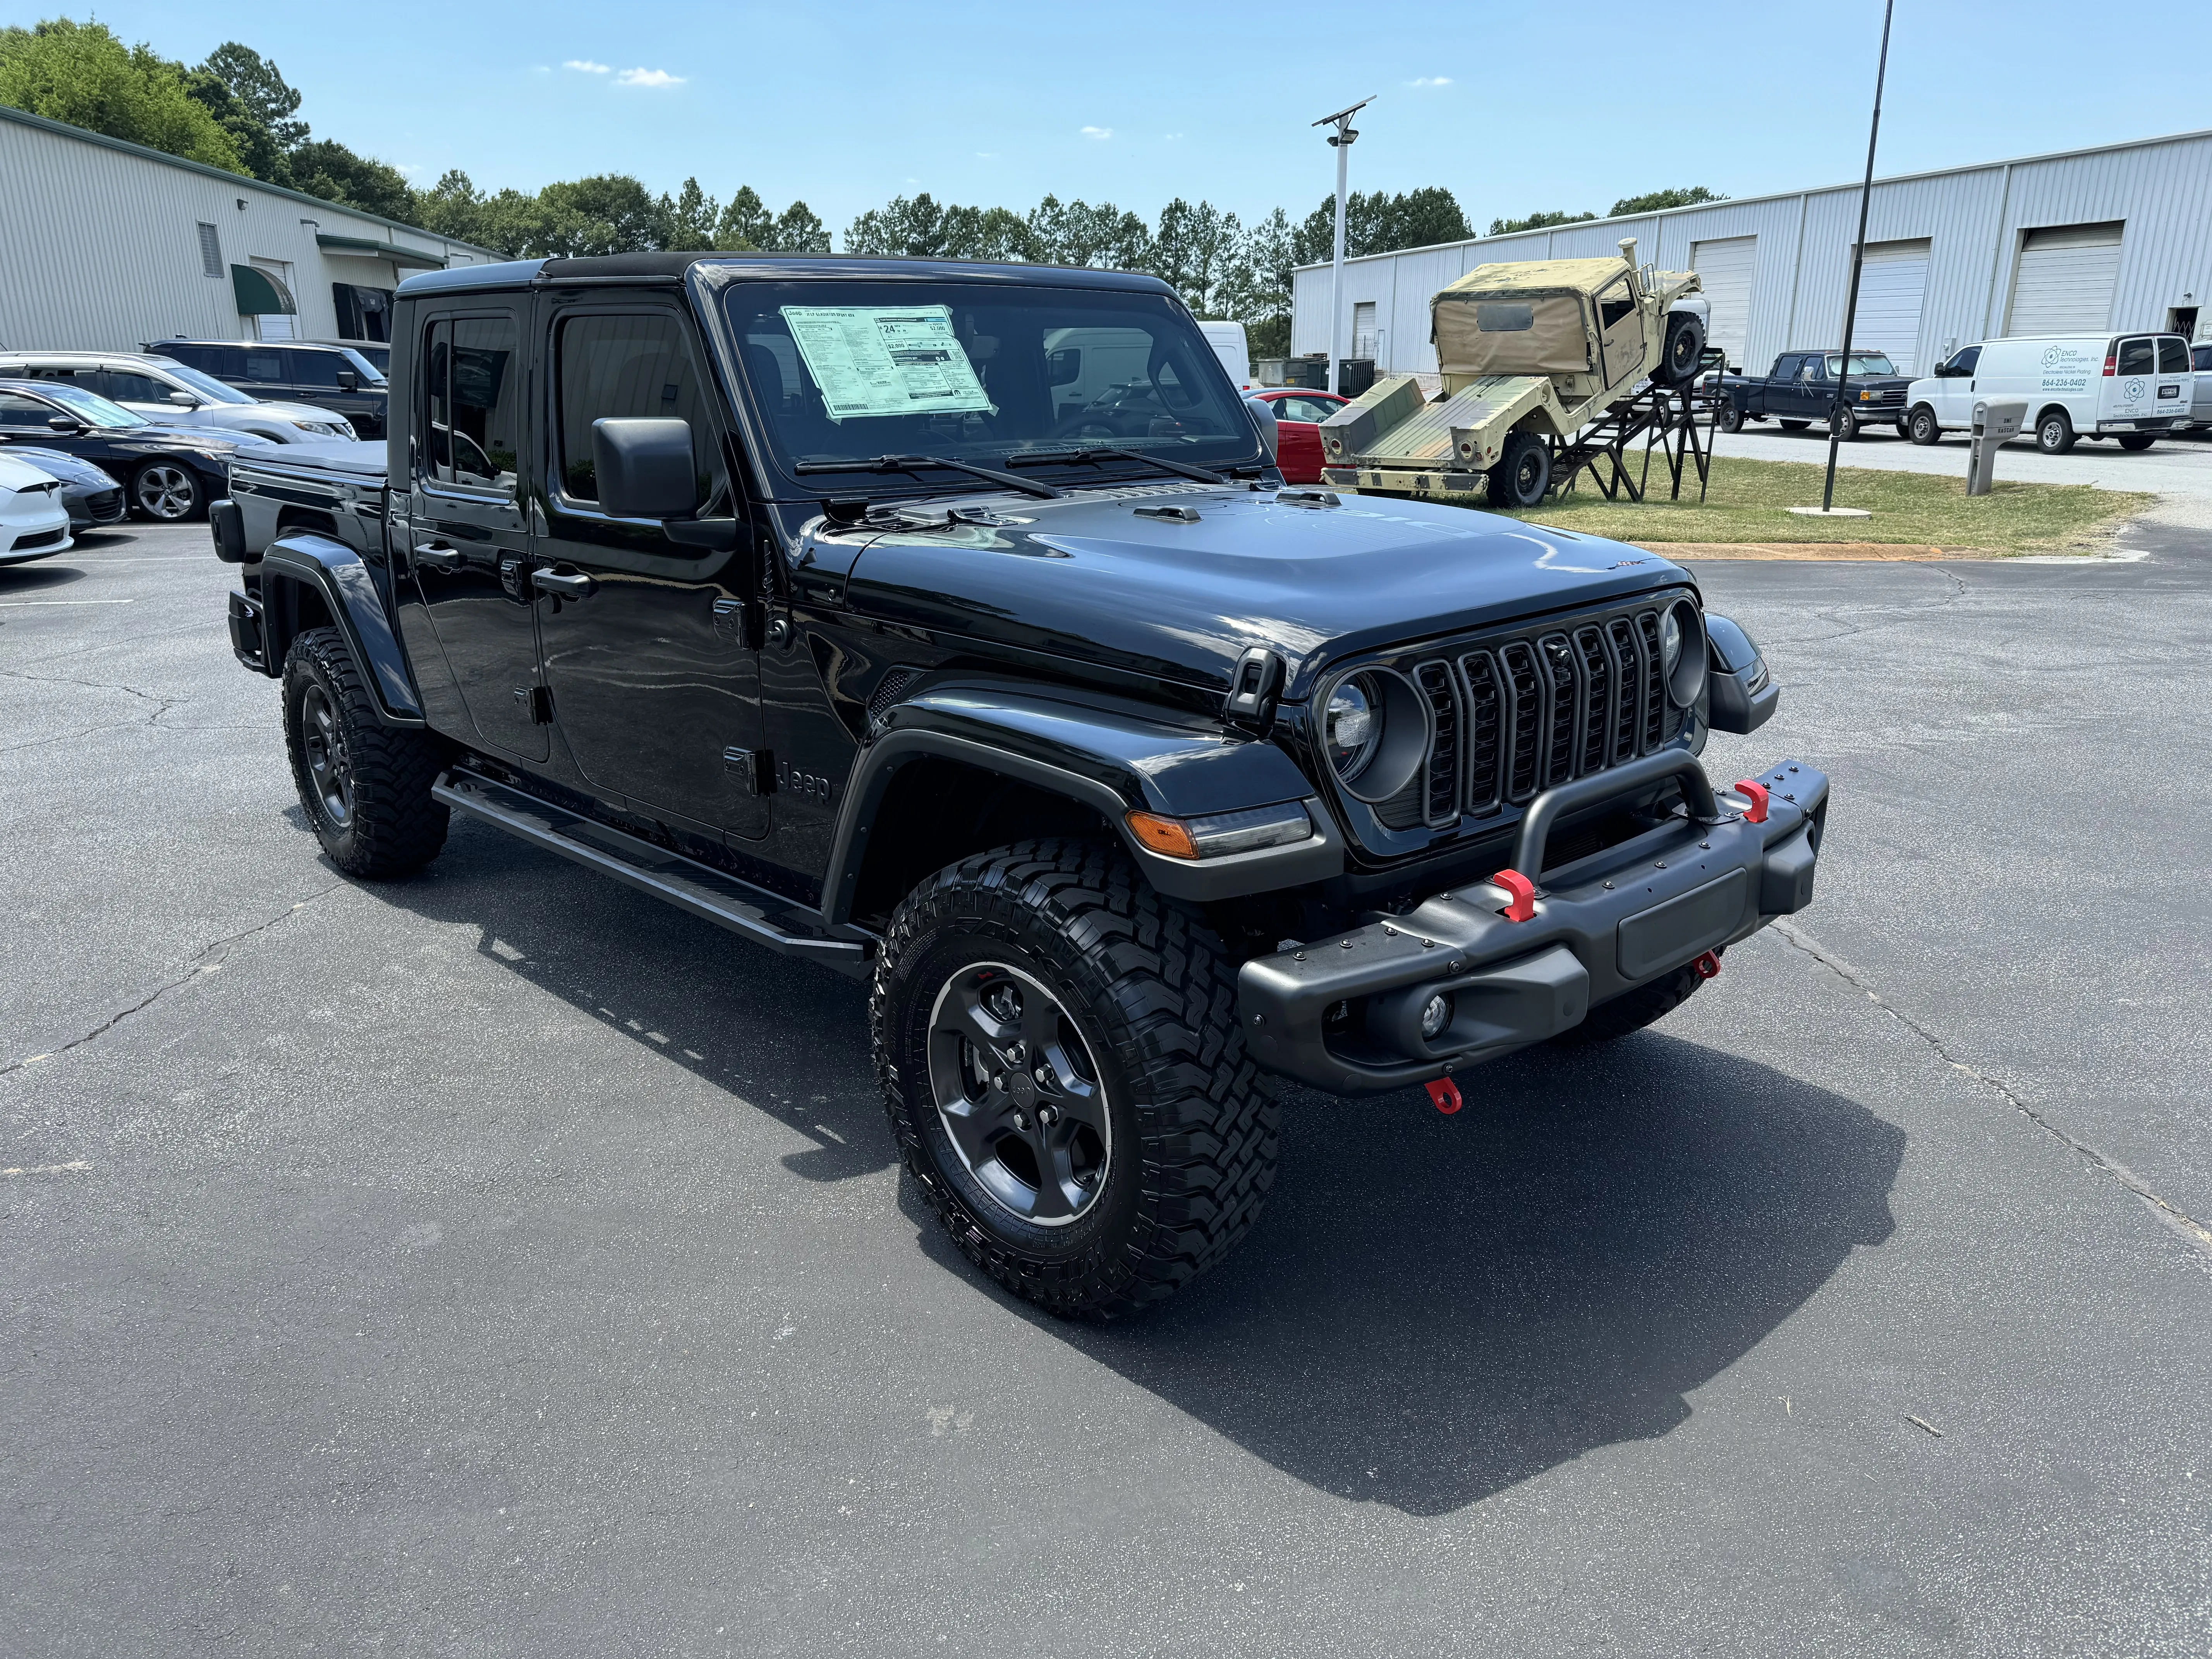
x=2129 y=386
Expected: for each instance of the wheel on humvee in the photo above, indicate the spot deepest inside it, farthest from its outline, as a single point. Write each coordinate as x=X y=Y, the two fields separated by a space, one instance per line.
x=1684 y=350
x=1523 y=473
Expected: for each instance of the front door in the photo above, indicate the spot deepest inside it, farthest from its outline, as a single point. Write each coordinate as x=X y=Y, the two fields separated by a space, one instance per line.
x=467 y=545
x=654 y=683
x=1620 y=331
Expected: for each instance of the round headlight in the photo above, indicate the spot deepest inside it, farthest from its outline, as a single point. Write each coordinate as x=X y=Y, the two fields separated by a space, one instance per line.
x=1352 y=726
x=1682 y=653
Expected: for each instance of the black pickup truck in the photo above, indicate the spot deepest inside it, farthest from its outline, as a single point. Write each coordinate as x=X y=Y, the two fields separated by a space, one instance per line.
x=1802 y=389
x=950 y=625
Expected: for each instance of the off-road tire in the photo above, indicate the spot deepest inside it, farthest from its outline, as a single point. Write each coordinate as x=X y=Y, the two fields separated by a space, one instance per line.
x=1634 y=1009
x=2136 y=441
x=1152 y=993
x=1923 y=427
x=1522 y=477
x=2054 y=432
x=1683 y=349
x=1731 y=418
x=1795 y=426
x=391 y=826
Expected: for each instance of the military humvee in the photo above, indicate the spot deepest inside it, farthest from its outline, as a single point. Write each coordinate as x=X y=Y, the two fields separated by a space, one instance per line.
x=1530 y=352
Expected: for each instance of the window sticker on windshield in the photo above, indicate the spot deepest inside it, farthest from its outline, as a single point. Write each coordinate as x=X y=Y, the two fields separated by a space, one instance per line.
x=885 y=360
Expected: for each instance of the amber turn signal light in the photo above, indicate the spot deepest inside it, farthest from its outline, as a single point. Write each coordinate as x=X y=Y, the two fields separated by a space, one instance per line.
x=1168 y=835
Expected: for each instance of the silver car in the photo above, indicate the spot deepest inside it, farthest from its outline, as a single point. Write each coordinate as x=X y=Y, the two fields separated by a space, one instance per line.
x=164 y=390
x=2200 y=401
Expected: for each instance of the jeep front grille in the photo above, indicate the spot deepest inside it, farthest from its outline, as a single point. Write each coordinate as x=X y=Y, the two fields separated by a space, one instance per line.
x=1514 y=715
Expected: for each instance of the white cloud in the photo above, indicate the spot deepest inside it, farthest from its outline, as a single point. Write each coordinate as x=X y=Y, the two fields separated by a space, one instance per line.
x=1098 y=132
x=646 y=77
x=1170 y=136
x=1430 y=81
x=986 y=156
x=585 y=65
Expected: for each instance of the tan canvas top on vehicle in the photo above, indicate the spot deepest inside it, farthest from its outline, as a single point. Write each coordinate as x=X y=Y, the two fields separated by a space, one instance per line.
x=1527 y=318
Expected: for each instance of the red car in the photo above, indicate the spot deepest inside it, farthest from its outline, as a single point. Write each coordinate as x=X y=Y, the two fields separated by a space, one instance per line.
x=1298 y=416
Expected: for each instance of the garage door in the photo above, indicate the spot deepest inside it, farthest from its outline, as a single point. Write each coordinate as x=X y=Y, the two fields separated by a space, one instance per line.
x=1724 y=267
x=1892 y=284
x=2063 y=283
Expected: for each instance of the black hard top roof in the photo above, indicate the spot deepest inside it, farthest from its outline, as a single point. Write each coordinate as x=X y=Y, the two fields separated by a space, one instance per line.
x=617 y=268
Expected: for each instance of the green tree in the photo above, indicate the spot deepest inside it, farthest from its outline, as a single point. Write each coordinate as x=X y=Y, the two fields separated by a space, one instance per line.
x=607 y=213
x=1657 y=200
x=79 y=73
x=1193 y=250
x=913 y=228
x=993 y=234
x=746 y=224
x=691 y=217
x=253 y=103
x=1378 y=222
x=1081 y=233
x=326 y=168
x=1257 y=290
x=800 y=230
x=1536 y=221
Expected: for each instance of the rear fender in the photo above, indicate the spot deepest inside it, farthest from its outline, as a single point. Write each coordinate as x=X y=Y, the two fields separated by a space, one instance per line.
x=1109 y=756
x=311 y=564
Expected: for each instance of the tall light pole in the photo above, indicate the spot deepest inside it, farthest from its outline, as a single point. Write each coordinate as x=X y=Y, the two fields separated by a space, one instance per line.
x=1341 y=142
x=1840 y=413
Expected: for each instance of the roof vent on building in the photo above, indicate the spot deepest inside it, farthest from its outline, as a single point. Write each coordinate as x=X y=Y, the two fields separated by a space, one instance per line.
x=210 y=252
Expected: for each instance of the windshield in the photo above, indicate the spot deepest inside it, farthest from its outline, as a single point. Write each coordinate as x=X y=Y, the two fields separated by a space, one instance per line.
x=982 y=373
x=206 y=384
x=1862 y=362
x=367 y=370
x=90 y=406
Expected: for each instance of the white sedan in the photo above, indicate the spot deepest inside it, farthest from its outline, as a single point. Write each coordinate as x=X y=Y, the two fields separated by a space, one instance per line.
x=33 y=522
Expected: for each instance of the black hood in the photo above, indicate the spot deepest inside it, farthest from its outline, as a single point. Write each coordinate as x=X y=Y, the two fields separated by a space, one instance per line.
x=1092 y=579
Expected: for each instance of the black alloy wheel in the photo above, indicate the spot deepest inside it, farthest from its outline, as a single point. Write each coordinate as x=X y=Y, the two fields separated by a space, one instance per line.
x=165 y=490
x=1523 y=474
x=323 y=748
x=1923 y=427
x=1018 y=1094
x=1685 y=349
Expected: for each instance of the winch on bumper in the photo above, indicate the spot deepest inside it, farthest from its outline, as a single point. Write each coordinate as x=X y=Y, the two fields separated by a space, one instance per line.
x=1596 y=928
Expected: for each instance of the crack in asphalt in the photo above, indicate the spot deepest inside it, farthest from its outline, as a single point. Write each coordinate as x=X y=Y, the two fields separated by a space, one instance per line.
x=2182 y=1224
x=200 y=965
x=162 y=705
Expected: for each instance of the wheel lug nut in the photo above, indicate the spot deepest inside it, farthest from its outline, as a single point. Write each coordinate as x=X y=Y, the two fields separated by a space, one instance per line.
x=1016 y=1053
x=1048 y=1115
x=1021 y=1122
x=999 y=1081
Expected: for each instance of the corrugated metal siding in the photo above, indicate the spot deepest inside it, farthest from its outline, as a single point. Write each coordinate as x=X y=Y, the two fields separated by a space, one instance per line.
x=100 y=248
x=1972 y=219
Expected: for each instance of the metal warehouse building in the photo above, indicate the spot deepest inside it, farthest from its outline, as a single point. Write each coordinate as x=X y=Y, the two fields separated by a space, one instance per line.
x=105 y=245
x=2117 y=237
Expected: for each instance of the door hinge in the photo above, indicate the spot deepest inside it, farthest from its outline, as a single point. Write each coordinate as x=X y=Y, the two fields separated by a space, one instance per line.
x=538 y=699
x=739 y=620
x=746 y=770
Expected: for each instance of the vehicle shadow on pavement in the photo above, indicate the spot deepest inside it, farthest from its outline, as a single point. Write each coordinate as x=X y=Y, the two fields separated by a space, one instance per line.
x=1434 y=1309
x=29 y=578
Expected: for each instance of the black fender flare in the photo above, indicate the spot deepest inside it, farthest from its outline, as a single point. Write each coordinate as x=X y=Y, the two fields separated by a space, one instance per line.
x=1113 y=756
x=349 y=593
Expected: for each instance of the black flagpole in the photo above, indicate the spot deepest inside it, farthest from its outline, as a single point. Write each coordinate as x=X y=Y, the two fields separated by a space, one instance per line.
x=1837 y=415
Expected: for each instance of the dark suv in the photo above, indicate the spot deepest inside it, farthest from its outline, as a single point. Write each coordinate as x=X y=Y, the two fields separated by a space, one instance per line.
x=1132 y=782
x=331 y=377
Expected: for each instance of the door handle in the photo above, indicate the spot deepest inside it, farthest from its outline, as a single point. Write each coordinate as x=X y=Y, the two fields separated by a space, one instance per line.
x=577 y=587
x=438 y=556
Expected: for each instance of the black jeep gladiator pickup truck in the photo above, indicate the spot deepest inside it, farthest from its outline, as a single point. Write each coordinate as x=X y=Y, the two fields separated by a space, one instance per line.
x=1803 y=388
x=950 y=625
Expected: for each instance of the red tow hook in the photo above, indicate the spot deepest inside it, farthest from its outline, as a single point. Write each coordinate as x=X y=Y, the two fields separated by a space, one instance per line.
x=1443 y=1095
x=1756 y=794
x=1520 y=890
x=1708 y=966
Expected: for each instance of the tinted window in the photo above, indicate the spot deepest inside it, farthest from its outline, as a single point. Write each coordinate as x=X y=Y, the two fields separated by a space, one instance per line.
x=2172 y=356
x=263 y=366
x=17 y=411
x=2204 y=356
x=125 y=386
x=1964 y=361
x=472 y=402
x=2137 y=357
x=610 y=367
x=319 y=369
x=207 y=358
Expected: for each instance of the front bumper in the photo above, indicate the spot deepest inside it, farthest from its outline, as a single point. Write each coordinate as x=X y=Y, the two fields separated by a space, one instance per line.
x=1601 y=927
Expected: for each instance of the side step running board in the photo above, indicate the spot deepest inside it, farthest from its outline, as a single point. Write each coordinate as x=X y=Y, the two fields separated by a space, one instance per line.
x=764 y=917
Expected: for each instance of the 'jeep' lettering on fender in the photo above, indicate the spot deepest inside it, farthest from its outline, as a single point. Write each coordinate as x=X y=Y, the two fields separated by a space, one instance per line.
x=806 y=785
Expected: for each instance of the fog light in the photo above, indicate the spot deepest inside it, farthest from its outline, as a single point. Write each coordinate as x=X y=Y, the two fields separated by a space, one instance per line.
x=1436 y=1016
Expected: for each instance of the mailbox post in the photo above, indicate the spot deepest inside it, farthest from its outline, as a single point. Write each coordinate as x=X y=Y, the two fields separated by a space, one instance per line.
x=1996 y=419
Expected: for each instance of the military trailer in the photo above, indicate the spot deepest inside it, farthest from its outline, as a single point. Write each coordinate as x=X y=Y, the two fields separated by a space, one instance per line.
x=1532 y=353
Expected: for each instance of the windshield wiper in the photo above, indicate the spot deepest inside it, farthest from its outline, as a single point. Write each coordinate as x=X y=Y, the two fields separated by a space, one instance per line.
x=1092 y=455
x=915 y=462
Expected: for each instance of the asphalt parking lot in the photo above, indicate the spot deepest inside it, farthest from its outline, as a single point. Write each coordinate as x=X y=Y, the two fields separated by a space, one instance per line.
x=500 y=1263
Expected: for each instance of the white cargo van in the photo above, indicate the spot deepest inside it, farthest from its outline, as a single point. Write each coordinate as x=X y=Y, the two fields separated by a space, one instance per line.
x=1229 y=344
x=2129 y=386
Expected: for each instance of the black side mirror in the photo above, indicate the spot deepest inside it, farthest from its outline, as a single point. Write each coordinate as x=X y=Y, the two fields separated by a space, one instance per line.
x=64 y=424
x=348 y=380
x=1065 y=366
x=1263 y=416
x=643 y=467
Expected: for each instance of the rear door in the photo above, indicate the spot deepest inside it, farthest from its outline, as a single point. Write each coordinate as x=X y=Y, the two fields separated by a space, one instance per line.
x=2174 y=378
x=2130 y=391
x=263 y=374
x=466 y=544
x=654 y=679
x=2200 y=405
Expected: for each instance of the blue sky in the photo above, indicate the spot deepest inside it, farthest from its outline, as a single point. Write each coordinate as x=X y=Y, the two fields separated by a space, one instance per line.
x=846 y=106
